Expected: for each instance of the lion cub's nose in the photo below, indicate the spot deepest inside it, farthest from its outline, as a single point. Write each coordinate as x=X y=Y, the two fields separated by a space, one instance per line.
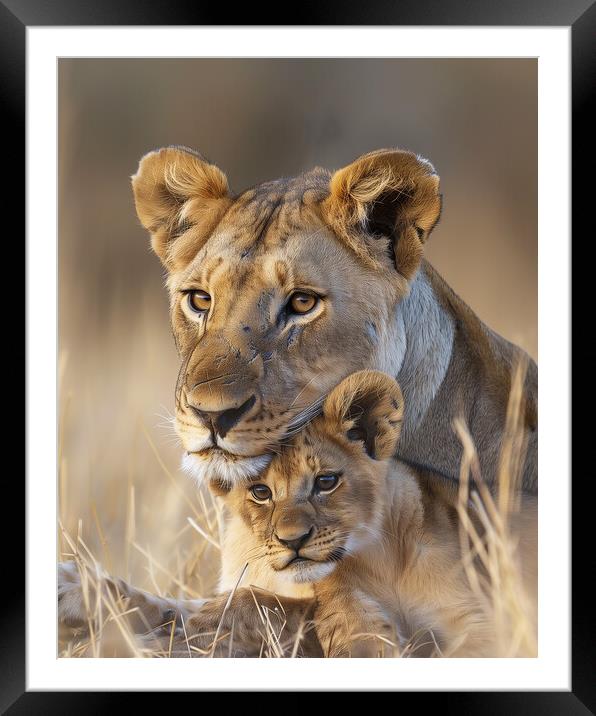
x=295 y=542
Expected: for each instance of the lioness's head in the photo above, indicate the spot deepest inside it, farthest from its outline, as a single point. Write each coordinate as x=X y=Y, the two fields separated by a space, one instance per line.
x=322 y=496
x=279 y=292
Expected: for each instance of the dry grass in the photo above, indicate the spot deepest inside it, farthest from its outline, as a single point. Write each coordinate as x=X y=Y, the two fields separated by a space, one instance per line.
x=162 y=534
x=490 y=545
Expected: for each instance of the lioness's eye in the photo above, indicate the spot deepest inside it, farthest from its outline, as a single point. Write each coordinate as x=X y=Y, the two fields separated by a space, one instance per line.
x=261 y=493
x=326 y=483
x=301 y=302
x=199 y=301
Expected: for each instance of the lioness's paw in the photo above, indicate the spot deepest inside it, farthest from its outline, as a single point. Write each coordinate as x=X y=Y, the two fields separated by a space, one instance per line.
x=71 y=606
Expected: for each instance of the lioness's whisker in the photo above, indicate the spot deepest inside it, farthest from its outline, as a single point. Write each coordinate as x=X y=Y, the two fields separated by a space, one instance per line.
x=300 y=393
x=303 y=418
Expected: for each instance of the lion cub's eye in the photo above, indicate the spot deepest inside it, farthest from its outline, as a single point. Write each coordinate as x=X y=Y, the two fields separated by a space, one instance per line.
x=326 y=483
x=301 y=302
x=199 y=301
x=261 y=493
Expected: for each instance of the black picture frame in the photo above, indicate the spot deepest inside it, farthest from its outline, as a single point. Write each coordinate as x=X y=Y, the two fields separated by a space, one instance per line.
x=580 y=15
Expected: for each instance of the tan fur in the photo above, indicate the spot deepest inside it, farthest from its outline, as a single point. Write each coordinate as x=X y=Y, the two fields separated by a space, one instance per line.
x=398 y=187
x=355 y=238
x=174 y=188
x=383 y=554
x=476 y=387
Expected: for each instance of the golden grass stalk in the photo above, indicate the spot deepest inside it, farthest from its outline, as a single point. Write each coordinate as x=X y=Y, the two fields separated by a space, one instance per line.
x=489 y=545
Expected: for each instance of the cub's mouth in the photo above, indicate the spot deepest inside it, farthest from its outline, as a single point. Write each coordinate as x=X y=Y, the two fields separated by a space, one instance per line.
x=299 y=563
x=215 y=463
x=301 y=568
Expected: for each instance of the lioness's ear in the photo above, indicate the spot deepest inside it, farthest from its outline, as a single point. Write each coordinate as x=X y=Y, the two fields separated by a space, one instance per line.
x=367 y=406
x=390 y=194
x=176 y=190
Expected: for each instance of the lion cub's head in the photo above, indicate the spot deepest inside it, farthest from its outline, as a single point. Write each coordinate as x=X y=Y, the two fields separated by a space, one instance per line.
x=322 y=496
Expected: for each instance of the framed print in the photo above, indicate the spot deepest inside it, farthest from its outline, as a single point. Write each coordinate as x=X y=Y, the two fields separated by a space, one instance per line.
x=282 y=394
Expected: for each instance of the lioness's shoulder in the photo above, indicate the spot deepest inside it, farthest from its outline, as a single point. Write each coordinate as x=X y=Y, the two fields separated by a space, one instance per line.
x=494 y=351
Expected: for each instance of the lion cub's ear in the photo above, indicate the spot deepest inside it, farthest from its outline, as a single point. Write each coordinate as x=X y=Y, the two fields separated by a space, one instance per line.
x=390 y=194
x=176 y=191
x=367 y=406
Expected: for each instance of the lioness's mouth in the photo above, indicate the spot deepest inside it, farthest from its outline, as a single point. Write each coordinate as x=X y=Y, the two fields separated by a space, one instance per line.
x=215 y=463
x=216 y=450
x=210 y=451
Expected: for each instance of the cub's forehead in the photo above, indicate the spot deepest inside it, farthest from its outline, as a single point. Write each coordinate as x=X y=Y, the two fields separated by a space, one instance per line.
x=312 y=451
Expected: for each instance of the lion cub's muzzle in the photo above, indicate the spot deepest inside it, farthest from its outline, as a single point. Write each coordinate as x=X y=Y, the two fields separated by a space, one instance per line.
x=296 y=539
x=303 y=546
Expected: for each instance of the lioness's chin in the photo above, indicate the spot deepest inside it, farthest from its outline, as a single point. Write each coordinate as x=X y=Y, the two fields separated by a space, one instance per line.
x=215 y=464
x=307 y=571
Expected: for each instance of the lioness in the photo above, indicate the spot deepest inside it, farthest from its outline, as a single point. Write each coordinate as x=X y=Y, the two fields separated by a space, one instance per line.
x=279 y=292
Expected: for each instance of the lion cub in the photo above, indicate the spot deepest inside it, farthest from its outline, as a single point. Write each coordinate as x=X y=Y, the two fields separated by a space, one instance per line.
x=379 y=545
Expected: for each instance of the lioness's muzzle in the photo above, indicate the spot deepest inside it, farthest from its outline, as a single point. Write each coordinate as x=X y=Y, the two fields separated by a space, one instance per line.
x=220 y=422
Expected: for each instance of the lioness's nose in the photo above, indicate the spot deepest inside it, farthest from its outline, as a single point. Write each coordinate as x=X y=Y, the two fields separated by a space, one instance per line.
x=295 y=543
x=222 y=421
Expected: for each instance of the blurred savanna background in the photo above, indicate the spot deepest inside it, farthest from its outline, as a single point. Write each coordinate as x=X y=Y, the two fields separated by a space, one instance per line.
x=122 y=497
